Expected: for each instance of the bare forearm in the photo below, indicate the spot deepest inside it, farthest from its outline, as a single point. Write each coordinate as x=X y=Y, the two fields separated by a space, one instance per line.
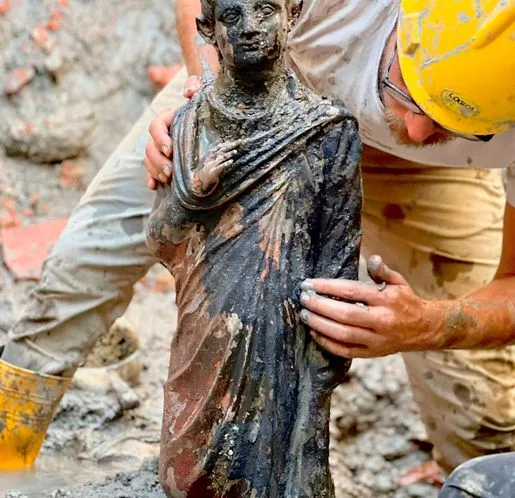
x=186 y=14
x=483 y=319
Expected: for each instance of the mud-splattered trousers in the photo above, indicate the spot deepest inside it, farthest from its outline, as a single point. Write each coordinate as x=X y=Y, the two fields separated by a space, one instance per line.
x=485 y=477
x=440 y=227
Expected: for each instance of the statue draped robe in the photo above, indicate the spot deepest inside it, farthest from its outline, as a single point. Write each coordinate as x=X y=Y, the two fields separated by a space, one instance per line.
x=248 y=394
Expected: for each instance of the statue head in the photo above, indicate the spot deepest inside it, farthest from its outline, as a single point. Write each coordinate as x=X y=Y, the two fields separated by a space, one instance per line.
x=248 y=33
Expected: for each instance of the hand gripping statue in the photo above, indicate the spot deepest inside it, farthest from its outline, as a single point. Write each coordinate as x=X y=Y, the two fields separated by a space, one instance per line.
x=266 y=192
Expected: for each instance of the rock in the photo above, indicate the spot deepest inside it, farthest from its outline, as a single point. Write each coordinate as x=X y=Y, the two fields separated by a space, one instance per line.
x=142 y=483
x=8 y=214
x=384 y=484
x=39 y=34
x=54 y=63
x=117 y=345
x=56 y=20
x=15 y=494
x=375 y=464
x=6 y=315
x=419 y=490
x=394 y=447
x=60 y=493
x=379 y=381
x=80 y=409
x=17 y=79
x=71 y=175
x=64 y=133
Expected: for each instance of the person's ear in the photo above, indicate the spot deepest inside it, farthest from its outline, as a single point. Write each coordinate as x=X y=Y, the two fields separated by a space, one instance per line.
x=206 y=30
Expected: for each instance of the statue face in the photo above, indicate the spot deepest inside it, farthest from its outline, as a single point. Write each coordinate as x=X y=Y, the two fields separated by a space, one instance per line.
x=251 y=33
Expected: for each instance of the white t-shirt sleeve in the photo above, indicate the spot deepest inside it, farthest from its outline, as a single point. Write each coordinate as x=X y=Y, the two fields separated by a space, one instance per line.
x=509 y=184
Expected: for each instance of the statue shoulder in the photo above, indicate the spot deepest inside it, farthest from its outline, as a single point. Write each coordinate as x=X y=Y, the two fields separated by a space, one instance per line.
x=338 y=107
x=324 y=105
x=342 y=126
x=185 y=114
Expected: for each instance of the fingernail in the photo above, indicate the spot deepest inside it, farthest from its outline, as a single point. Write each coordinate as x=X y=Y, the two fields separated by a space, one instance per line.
x=163 y=178
x=165 y=150
x=307 y=285
x=167 y=170
x=306 y=295
x=304 y=315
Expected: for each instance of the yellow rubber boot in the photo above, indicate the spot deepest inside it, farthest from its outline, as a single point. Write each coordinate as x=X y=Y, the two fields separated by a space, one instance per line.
x=28 y=401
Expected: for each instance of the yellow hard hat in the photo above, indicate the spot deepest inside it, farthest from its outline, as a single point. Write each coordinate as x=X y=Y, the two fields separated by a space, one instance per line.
x=457 y=58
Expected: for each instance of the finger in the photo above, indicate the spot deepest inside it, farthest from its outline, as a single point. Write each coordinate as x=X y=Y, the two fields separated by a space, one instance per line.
x=159 y=173
x=347 y=334
x=379 y=272
x=340 y=349
x=159 y=131
x=219 y=169
x=223 y=157
x=192 y=86
x=157 y=164
x=350 y=290
x=338 y=311
x=228 y=146
x=151 y=183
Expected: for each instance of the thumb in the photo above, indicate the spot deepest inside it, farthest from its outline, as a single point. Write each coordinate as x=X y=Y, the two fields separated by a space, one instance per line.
x=379 y=272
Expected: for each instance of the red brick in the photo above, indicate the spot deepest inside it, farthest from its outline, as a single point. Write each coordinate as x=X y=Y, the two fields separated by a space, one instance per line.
x=71 y=175
x=17 y=79
x=160 y=76
x=26 y=248
x=5 y=6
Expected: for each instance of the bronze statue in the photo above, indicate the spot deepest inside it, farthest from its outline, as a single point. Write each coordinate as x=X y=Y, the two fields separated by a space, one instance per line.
x=266 y=192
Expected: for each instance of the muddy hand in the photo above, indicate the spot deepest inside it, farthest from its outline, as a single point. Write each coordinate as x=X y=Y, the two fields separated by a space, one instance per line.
x=158 y=152
x=370 y=320
x=214 y=164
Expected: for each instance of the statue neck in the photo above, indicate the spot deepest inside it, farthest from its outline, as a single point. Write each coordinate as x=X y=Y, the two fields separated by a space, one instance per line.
x=252 y=90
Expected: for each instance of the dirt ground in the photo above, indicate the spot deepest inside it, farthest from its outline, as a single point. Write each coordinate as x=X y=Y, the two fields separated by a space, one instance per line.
x=75 y=72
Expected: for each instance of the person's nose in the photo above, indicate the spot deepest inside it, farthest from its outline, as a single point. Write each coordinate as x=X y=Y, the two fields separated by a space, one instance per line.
x=420 y=127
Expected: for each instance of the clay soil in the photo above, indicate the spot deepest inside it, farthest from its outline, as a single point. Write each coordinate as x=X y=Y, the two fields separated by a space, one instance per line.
x=80 y=81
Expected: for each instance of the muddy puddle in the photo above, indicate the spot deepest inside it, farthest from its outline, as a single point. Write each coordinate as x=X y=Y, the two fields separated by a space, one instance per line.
x=54 y=472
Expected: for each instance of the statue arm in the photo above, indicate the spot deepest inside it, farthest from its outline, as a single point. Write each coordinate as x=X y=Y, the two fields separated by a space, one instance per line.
x=340 y=207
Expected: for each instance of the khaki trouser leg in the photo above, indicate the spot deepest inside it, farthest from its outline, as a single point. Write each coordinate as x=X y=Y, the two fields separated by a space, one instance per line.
x=441 y=228
x=87 y=280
